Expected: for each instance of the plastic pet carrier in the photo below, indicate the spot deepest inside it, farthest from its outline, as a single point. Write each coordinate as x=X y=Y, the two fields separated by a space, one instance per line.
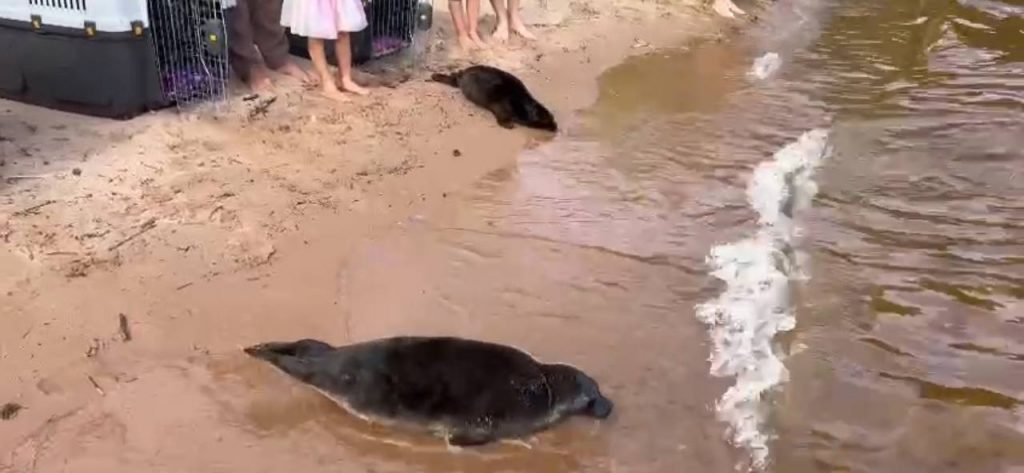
x=392 y=26
x=114 y=58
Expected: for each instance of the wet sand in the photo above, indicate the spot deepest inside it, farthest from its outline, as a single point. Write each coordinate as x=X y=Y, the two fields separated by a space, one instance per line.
x=211 y=232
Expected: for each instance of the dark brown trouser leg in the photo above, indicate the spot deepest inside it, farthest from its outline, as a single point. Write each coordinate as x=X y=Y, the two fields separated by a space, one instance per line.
x=268 y=33
x=242 y=52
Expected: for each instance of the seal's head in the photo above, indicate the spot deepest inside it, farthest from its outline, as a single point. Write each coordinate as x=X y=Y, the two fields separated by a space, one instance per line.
x=537 y=116
x=575 y=393
x=305 y=348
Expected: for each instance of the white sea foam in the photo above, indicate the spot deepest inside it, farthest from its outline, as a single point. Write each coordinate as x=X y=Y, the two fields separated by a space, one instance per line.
x=744 y=320
x=766 y=65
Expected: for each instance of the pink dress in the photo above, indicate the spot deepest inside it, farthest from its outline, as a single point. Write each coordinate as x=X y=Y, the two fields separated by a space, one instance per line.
x=323 y=19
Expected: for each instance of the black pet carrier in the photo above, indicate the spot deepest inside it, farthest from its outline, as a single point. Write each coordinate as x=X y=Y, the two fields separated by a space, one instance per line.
x=120 y=58
x=113 y=58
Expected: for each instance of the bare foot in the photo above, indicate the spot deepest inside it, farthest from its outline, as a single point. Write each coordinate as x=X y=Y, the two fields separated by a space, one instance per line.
x=466 y=44
x=349 y=85
x=727 y=9
x=521 y=30
x=500 y=33
x=332 y=92
x=259 y=80
x=293 y=70
x=477 y=41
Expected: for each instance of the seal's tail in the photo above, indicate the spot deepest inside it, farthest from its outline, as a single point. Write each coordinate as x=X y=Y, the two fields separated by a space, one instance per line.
x=295 y=358
x=447 y=79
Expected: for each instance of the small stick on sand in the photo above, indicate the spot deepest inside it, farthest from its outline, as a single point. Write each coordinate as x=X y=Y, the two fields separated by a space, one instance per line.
x=97 y=386
x=33 y=209
x=15 y=178
x=261 y=108
x=146 y=226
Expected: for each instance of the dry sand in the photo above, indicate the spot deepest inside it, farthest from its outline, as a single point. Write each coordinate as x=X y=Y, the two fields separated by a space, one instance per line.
x=130 y=245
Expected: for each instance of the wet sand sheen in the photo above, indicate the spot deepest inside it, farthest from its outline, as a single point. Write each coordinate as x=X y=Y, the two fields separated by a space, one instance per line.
x=265 y=421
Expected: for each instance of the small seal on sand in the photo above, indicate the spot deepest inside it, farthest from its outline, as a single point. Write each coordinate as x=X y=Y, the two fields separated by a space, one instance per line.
x=468 y=391
x=502 y=94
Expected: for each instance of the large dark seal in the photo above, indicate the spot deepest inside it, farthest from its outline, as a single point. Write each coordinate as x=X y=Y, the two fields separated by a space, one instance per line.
x=469 y=392
x=502 y=94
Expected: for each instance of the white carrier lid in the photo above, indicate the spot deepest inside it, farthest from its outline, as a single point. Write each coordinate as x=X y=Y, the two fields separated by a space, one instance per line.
x=110 y=16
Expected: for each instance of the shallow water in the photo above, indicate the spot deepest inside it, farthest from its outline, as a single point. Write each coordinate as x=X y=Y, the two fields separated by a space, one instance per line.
x=898 y=316
x=906 y=354
x=851 y=302
x=827 y=208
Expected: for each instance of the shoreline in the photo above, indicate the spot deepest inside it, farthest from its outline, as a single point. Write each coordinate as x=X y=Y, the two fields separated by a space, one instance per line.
x=210 y=232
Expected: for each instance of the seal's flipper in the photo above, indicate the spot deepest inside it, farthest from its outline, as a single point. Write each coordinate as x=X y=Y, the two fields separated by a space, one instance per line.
x=504 y=114
x=447 y=79
x=469 y=438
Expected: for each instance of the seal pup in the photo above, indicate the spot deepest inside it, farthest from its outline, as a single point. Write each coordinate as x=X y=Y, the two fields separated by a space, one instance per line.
x=469 y=392
x=501 y=93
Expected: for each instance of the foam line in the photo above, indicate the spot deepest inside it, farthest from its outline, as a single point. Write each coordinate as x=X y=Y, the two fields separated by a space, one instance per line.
x=765 y=66
x=754 y=307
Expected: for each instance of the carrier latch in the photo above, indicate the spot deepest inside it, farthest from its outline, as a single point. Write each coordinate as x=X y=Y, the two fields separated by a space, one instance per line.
x=213 y=35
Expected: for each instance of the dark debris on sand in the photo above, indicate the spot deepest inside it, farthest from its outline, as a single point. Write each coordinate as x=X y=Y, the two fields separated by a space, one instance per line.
x=125 y=331
x=10 y=410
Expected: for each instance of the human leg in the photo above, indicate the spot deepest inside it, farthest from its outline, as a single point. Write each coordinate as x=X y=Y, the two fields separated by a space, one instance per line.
x=473 y=22
x=343 y=51
x=242 y=54
x=271 y=38
x=515 y=20
x=319 y=58
x=459 y=22
x=501 y=27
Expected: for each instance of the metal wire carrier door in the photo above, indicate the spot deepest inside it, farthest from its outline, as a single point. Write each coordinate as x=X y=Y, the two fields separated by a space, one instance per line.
x=393 y=23
x=190 y=40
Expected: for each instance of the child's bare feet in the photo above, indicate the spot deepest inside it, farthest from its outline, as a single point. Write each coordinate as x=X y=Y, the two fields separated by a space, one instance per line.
x=727 y=9
x=521 y=30
x=500 y=32
x=349 y=85
x=477 y=41
x=465 y=43
x=331 y=91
